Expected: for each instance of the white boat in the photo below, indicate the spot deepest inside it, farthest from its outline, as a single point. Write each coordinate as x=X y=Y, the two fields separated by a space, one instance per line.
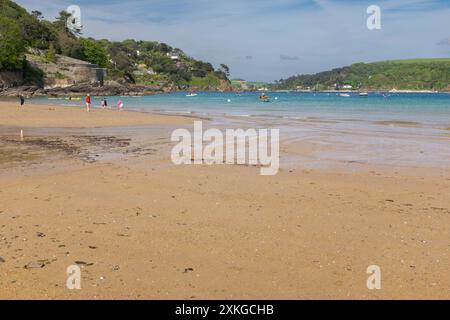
x=191 y=95
x=346 y=95
x=363 y=94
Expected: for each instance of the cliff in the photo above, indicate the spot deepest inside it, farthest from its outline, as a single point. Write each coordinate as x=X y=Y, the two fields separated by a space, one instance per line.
x=10 y=79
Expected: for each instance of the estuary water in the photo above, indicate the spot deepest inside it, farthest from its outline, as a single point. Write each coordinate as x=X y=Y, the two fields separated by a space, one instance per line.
x=394 y=129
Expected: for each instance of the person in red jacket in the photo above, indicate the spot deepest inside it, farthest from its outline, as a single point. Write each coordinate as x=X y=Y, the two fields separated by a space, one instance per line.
x=88 y=103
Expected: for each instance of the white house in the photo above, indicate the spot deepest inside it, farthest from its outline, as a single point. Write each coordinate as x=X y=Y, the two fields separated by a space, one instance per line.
x=173 y=56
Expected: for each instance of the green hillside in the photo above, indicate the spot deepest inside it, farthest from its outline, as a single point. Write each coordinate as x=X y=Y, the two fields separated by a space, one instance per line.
x=410 y=74
x=131 y=61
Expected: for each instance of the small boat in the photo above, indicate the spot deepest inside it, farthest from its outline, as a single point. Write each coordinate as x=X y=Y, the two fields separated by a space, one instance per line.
x=191 y=95
x=346 y=95
x=363 y=94
x=264 y=98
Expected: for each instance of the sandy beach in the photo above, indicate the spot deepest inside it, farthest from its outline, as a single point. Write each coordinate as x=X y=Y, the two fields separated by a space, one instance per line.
x=99 y=190
x=48 y=116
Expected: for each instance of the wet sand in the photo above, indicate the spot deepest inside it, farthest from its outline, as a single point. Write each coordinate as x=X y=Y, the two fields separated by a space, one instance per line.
x=141 y=228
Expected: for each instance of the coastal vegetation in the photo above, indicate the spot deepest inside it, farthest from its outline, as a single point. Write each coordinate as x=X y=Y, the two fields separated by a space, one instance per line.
x=244 y=85
x=130 y=61
x=411 y=74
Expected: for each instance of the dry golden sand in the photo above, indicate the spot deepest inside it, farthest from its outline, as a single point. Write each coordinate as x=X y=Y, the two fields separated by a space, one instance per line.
x=149 y=230
x=33 y=115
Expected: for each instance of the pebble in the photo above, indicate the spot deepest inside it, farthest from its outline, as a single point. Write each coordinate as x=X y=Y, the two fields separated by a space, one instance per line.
x=35 y=265
x=82 y=263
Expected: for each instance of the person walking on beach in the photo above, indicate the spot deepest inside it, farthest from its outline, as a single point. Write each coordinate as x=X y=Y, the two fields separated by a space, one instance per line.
x=119 y=105
x=104 y=103
x=88 y=103
x=22 y=100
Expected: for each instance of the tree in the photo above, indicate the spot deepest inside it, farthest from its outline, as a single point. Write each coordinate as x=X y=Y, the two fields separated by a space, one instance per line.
x=12 y=46
x=164 y=48
x=121 y=58
x=61 y=23
x=50 y=55
x=37 y=33
x=68 y=43
x=70 y=46
x=225 y=69
x=95 y=53
x=37 y=14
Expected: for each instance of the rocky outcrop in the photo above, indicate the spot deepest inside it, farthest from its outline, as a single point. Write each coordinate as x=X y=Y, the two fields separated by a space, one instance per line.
x=113 y=89
x=106 y=90
x=10 y=79
x=83 y=89
x=27 y=91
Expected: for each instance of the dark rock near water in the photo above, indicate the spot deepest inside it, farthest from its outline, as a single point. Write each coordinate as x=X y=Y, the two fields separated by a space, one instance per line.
x=82 y=89
x=111 y=88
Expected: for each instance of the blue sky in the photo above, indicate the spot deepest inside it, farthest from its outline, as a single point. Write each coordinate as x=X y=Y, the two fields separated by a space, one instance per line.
x=268 y=40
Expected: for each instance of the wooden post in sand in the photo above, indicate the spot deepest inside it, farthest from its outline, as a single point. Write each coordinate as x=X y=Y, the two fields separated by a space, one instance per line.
x=21 y=135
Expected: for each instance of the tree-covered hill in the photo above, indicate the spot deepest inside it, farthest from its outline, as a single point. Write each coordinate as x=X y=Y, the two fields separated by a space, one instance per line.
x=412 y=74
x=129 y=61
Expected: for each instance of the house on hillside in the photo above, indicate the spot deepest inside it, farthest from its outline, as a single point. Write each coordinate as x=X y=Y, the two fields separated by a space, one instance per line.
x=142 y=70
x=173 y=56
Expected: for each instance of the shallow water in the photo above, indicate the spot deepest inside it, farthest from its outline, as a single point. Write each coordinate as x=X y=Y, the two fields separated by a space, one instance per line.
x=389 y=129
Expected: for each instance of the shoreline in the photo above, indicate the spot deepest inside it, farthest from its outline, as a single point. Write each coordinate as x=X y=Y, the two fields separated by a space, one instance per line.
x=368 y=91
x=16 y=91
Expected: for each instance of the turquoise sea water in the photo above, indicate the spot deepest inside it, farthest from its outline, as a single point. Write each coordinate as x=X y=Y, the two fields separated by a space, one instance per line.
x=383 y=128
x=432 y=109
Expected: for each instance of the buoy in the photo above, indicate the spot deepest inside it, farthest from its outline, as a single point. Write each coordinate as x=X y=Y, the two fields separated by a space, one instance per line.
x=21 y=135
x=276 y=98
x=229 y=100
